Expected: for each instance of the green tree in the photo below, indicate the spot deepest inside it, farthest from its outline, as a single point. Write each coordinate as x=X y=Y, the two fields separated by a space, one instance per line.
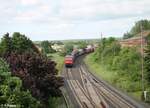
x=147 y=62
x=11 y=90
x=104 y=46
x=137 y=27
x=127 y=35
x=46 y=47
x=22 y=44
x=124 y=62
x=5 y=45
x=82 y=44
x=68 y=48
x=145 y=24
x=17 y=43
x=38 y=75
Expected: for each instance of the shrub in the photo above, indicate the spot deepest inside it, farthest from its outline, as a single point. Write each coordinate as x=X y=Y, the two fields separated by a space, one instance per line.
x=11 y=90
x=38 y=74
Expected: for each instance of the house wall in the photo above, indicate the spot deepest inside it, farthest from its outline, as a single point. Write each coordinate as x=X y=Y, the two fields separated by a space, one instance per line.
x=133 y=42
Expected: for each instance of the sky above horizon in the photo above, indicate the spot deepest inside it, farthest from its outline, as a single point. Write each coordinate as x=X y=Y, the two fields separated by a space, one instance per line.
x=71 y=19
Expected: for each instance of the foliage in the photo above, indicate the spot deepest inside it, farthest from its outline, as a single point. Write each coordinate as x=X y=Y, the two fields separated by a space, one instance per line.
x=147 y=62
x=46 y=47
x=57 y=42
x=124 y=62
x=56 y=102
x=5 y=45
x=20 y=42
x=127 y=35
x=62 y=53
x=37 y=73
x=17 y=43
x=128 y=63
x=145 y=24
x=147 y=67
x=11 y=90
x=82 y=44
x=68 y=48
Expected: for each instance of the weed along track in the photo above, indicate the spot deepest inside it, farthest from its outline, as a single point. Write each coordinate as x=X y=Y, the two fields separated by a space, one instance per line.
x=90 y=92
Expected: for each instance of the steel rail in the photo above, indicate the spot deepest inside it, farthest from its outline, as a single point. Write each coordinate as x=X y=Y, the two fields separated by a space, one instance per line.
x=77 y=97
x=102 y=101
x=109 y=89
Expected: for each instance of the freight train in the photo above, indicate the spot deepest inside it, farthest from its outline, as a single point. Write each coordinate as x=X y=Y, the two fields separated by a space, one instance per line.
x=70 y=59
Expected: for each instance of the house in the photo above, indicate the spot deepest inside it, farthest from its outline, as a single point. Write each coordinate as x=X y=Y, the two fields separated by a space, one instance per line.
x=58 y=47
x=136 y=40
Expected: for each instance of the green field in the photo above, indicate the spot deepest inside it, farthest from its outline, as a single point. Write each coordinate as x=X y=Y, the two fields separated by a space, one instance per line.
x=58 y=59
x=110 y=76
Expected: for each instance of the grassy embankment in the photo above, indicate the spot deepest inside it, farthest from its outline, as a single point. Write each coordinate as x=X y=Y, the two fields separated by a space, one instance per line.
x=58 y=59
x=57 y=102
x=109 y=75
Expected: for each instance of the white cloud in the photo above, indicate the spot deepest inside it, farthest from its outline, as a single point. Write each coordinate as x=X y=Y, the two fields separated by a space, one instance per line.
x=98 y=9
x=71 y=17
x=29 y=2
x=36 y=14
x=79 y=11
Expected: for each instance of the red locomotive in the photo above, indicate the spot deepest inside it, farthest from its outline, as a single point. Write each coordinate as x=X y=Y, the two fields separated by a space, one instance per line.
x=70 y=59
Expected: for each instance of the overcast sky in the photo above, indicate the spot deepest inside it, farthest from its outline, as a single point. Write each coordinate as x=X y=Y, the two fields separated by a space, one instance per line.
x=71 y=19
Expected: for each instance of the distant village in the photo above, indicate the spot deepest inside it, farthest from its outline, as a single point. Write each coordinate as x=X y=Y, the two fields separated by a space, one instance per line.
x=130 y=42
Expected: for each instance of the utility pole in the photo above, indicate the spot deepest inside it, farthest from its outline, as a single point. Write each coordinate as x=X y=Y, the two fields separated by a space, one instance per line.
x=102 y=48
x=142 y=60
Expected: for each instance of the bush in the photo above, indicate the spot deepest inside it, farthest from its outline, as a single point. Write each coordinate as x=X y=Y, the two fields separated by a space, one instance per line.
x=125 y=62
x=11 y=90
x=37 y=73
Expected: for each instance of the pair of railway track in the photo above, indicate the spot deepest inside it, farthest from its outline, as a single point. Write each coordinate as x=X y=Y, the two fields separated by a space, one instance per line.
x=90 y=92
x=84 y=95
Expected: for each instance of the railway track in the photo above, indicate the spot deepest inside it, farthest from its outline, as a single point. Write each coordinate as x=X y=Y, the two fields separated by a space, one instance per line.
x=95 y=96
x=85 y=95
x=111 y=97
x=81 y=97
x=90 y=92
